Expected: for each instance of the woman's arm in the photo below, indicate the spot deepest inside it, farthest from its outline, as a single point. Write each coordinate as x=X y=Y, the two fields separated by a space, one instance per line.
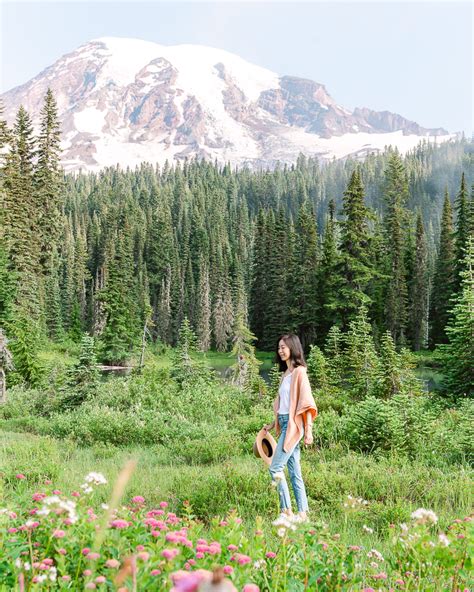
x=308 y=432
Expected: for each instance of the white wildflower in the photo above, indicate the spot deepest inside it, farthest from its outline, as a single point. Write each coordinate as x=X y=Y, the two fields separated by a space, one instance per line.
x=104 y=506
x=422 y=516
x=281 y=532
x=41 y=578
x=53 y=573
x=18 y=563
x=27 y=566
x=259 y=563
x=404 y=527
x=367 y=529
x=373 y=553
x=354 y=503
x=374 y=564
x=95 y=478
x=443 y=540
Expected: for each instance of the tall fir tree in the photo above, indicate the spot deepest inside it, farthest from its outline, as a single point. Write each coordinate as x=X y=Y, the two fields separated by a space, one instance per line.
x=418 y=291
x=47 y=180
x=327 y=274
x=304 y=291
x=464 y=229
x=443 y=281
x=396 y=195
x=354 y=267
x=458 y=353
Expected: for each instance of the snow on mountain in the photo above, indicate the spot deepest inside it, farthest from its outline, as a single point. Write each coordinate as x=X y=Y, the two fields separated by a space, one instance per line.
x=127 y=100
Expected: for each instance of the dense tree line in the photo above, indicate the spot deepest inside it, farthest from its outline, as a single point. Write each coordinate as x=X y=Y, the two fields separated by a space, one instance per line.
x=301 y=247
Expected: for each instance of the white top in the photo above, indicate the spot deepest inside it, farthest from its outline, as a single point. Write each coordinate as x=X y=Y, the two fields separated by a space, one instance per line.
x=284 y=392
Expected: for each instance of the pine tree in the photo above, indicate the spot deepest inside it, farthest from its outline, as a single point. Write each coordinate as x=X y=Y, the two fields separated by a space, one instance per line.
x=304 y=289
x=122 y=330
x=47 y=179
x=223 y=318
x=360 y=358
x=203 y=320
x=333 y=352
x=259 y=292
x=21 y=220
x=396 y=194
x=418 y=296
x=184 y=368
x=245 y=370
x=327 y=274
x=354 y=268
x=54 y=323
x=464 y=229
x=276 y=313
x=443 y=282
x=458 y=353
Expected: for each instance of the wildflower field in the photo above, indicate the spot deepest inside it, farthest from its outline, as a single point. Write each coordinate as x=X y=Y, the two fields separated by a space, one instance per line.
x=149 y=483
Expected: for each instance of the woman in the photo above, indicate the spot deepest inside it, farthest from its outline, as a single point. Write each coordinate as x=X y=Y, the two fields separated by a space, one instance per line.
x=294 y=409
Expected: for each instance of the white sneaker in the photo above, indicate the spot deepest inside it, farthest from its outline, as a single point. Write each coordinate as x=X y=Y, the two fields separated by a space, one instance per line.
x=297 y=519
x=284 y=520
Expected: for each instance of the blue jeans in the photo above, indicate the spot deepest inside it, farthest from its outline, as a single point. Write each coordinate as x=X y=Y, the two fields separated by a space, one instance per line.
x=292 y=459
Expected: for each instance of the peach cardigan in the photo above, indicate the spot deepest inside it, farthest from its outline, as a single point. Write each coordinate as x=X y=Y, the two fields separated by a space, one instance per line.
x=301 y=401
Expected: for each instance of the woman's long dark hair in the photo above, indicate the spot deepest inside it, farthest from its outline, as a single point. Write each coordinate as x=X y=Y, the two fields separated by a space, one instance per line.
x=296 y=351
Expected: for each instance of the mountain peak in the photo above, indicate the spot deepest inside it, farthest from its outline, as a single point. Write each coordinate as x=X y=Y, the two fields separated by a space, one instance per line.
x=125 y=100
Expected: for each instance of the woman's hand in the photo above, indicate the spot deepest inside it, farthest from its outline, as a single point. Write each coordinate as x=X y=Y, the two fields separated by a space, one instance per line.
x=268 y=427
x=308 y=437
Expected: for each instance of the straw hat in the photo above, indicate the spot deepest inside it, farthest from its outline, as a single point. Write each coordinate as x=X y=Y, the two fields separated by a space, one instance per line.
x=265 y=446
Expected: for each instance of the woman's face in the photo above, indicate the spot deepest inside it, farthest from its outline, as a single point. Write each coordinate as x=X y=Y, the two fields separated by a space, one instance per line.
x=283 y=351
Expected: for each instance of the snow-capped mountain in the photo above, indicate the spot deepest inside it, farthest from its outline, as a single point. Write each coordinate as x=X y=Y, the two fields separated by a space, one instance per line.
x=127 y=101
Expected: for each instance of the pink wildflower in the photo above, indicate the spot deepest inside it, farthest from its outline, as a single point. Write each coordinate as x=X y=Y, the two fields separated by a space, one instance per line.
x=75 y=494
x=93 y=556
x=163 y=504
x=119 y=523
x=62 y=551
x=37 y=497
x=155 y=572
x=20 y=476
x=143 y=556
x=169 y=553
x=85 y=551
x=250 y=588
x=12 y=530
x=223 y=523
x=140 y=547
x=400 y=582
x=59 y=534
x=90 y=586
x=66 y=578
x=232 y=547
x=228 y=569
x=56 y=492
x=87 y=572
x=199 y=555
x=270 y=555
x=101 y=579
x=138 y=499
x=112 y=563
x=243 y=559
x=380 y=576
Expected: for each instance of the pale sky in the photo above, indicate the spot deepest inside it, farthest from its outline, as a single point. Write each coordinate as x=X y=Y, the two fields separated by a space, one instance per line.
x=412 y=58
